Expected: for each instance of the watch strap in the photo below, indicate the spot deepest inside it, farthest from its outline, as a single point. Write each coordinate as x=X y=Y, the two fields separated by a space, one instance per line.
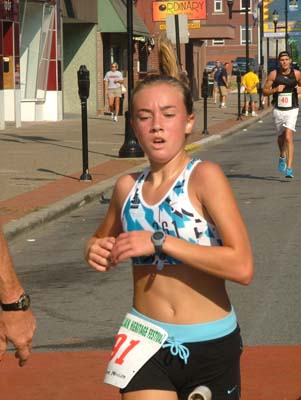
x=22 y=304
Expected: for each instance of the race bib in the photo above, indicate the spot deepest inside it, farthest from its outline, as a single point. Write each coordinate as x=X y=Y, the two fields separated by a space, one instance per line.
x=136 y=342
x=284 y=100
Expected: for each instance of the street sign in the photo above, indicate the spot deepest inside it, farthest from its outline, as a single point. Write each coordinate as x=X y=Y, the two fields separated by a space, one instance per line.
x=276 y=35
x=183 y=28
x=281 y=35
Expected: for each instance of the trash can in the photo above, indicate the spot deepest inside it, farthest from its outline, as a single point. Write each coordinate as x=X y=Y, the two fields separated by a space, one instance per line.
x=210 y=87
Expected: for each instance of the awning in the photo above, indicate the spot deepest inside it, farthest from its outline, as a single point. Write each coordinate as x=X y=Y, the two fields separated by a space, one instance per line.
x=113 y=18
x=70 y=20
x=213 y=32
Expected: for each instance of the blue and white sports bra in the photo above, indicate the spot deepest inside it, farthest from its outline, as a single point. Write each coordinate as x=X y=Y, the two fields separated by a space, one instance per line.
x=174 y=214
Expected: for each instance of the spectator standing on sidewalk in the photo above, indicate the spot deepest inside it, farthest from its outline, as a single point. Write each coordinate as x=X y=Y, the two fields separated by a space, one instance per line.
x=183 y=246
x=222 y=83
x=17 y=323
x=113 y=80
x=250 y=81
x=215 y=85
x=284 y=84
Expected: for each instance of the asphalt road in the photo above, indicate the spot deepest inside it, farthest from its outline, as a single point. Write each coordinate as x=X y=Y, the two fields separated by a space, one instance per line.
x=78 y=308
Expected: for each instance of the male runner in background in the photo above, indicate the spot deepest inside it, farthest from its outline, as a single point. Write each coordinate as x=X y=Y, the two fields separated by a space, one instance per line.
x=284 y=84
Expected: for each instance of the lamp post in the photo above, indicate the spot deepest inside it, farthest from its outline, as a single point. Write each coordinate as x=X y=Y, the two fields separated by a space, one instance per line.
x=130 y=147
x=275 y=17
x=286 y=26
x=246 y=10
x=261 y=60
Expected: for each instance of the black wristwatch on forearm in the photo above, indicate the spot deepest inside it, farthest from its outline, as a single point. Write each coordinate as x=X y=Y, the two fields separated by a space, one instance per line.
x=158 y=238
x=22 y=304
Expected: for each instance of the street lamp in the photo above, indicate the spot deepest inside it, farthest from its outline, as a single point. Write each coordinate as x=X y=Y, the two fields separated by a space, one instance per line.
x=286 y=30
x=246 y=10
x=130 y=147
x=261 y=60
x=275 y=17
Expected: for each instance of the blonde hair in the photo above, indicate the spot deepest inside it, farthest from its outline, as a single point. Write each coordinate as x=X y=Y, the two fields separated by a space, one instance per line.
x=170 y=73
x=168 y=64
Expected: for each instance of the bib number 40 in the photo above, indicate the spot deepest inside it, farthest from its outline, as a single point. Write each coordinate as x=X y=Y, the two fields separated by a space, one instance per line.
x=285 y=100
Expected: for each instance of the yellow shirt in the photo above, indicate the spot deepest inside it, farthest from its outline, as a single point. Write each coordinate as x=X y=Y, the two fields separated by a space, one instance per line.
x=250 y=80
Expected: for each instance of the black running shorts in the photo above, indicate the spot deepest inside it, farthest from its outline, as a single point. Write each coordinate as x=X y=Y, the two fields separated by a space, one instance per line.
x=213 y=363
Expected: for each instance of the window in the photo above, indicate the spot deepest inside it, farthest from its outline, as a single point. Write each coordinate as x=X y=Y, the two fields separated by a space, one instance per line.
x=143 y=55
x=246 y=3
x=243 y=35
x=218 y=5
x=218 y=42
x=36 y=35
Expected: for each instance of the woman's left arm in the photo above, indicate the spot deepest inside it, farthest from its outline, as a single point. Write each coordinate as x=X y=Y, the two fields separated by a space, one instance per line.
x=233 y=260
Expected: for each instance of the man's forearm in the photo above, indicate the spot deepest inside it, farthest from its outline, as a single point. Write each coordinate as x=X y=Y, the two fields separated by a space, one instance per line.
x=269 y=91
x=10 y=286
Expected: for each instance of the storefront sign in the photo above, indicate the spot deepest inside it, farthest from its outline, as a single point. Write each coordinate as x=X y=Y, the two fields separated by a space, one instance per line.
x=193 y=9
x=194 y=25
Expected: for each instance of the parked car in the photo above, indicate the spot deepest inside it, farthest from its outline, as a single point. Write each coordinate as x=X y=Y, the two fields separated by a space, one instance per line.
x=235 y=68
x=240 y=64
x=210 y=66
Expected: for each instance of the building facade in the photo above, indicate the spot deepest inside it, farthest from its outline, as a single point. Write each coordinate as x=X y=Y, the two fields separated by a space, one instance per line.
x=30 y=67
x=201 y=28
x=80 y=26
x=227 y=49
x=96 y=36
x=43 y=43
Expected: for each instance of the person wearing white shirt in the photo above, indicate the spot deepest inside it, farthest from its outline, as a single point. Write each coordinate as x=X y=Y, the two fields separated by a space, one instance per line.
x=113 y=80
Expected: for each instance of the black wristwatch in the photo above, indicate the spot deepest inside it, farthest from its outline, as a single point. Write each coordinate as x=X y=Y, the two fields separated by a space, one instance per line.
x=158 y=238
x=22 y=304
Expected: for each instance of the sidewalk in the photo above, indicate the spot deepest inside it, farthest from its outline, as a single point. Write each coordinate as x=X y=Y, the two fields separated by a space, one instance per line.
x=41 y=163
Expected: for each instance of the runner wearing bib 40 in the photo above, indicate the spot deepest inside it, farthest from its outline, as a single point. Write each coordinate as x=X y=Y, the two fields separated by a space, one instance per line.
x=284 y=84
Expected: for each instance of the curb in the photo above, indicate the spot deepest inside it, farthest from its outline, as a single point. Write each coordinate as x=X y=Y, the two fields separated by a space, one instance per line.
x=227 y=132
x=102 y=189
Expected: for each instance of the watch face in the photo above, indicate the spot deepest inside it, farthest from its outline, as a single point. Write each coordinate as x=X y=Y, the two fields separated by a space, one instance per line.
x=25 y=302
x=158 y=235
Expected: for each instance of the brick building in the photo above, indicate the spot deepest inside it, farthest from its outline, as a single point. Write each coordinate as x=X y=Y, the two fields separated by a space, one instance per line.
x=202 y=27
x=227 y=49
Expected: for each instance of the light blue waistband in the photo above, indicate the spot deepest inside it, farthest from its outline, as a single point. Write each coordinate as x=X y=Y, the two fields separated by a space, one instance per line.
x=192 y=333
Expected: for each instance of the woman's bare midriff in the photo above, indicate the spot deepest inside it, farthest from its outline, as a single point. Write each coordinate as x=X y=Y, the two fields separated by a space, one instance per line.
x=179 y=294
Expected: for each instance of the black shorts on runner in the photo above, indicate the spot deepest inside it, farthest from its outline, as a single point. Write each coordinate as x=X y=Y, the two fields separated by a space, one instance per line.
x=213 y=363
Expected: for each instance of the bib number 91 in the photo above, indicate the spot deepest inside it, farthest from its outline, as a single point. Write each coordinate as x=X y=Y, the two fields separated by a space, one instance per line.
x=122 y=347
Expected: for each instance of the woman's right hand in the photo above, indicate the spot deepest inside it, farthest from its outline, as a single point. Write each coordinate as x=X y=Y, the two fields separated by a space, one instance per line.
x=98 y=253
